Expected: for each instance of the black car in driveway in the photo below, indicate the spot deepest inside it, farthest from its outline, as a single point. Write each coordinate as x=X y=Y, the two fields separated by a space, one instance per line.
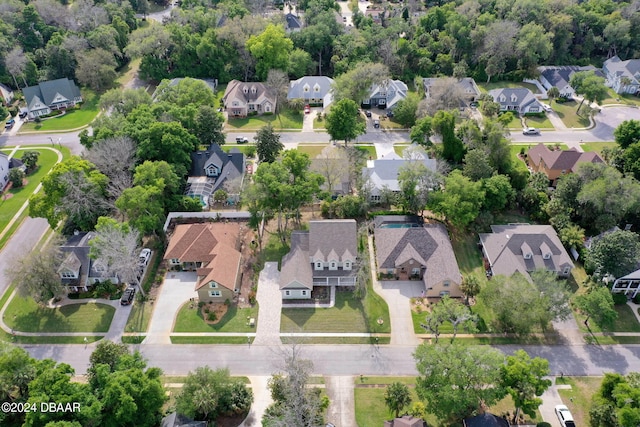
x=127 y=296
x=367 y=113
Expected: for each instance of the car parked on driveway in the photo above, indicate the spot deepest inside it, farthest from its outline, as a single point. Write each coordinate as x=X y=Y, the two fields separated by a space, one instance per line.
x=145 y=254
x=565 y=417
x=376 y=123
x=307 y=109
x=367 y=113
x=127 y=296
x=9 y=124
x=531 y=131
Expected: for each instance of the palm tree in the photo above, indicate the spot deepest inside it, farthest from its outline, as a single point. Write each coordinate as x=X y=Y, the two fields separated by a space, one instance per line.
x=397 y=397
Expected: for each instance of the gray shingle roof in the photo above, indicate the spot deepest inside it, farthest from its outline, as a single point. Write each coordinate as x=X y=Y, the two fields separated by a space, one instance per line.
x=334 y=237
x=322 y=83
x=559 y=75
x=522 y=97
x=629 y=68
x=296 y=268
x=384 y=172
x=231 y=165
x=47 y=91
x=503 y=247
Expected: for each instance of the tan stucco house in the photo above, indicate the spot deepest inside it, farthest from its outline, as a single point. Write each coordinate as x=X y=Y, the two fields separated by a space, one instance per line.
x=212 y=251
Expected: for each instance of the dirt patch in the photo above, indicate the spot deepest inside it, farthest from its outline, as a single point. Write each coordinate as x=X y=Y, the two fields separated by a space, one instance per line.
x=232 y=421
x=218 y=309
x=420 y=305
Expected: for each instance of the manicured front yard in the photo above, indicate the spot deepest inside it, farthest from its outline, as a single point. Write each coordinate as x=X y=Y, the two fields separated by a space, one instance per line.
x=189 y=319
x=73 y=119
x=370 y=151
x=287 y=119
x=348 y=315
x=538 y=122
x=312 y=150
x=447 y=328
x=24 y=315
x=578 y=398
x=567 y=111
x=597 y=146
x=626 y=321
x=10 y=206
x=139 y=317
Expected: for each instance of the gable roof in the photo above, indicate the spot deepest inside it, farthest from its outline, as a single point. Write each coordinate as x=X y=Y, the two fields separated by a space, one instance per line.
x=405 y=421
x=429 y=245
x=523 y=96
x=629 y=68
x=296 y=268
x=333 y=238
x=256 y=92
x=231 y=165
x=398 y=87
x=296 y=88
x=384 y=172
x=47 y=91
x=564 y=160
x=485 y=420
x=292 y=22
x=504 y=249
x=76 y=250
x=559 y=75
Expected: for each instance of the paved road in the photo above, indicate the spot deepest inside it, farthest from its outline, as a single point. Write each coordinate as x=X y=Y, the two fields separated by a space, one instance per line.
x=70 y=140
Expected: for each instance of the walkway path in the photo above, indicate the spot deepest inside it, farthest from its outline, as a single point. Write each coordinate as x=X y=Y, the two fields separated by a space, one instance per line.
x=176 y=290
x=261 y=401
x=341 y=410
x=397 y=296
x=270 y=302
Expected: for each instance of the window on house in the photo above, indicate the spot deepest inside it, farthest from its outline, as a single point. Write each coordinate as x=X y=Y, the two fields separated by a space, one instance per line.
x=333 y=264
x=304 y=293
x=175 y=261
x=415 y=271
x=213 y=285
x=347 y=265
x=253 y=90
x=267 y=108
x=563 y=172
x=68 y=275
x=445 y=283
x=389 y=270
x=287 y=293
x=546 y=256
x=527 y=255
x=318 y=265
x=443 y=293
x=214 y=294
x=566 y=271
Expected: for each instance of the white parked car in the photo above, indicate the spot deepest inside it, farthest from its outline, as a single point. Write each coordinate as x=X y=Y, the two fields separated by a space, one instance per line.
x=565 y=417
x=145 y=255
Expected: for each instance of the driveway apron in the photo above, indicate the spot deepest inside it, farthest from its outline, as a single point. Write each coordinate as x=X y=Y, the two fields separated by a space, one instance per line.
x=550 y=398
x=270 y=302
x=177 y=289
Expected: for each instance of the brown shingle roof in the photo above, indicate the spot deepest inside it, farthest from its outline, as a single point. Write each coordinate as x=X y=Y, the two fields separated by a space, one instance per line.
x=223 y=269
x=561 y=160
x=338 y=235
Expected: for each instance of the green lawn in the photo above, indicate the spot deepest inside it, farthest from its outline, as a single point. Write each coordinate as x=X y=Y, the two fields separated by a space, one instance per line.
x=578 y=398
x=597 y=146
x=447 y=328
x=515 y=123
x=274 y=249
x=615 y=98
x=319 y=124
x=235 y=320
x=128 y=72
x=399 y=149
x=312 y=150
x=10 y=206
x=209 y=340
x=287 y=119
x=244 y=149
x=24 y=315
x=335 y=340
x=567 y=111
x=139 y=317
x=73 y=119
x=626 y=321
x=486 y=87
x=370 y=151
x=538 y=122
x=469 y=257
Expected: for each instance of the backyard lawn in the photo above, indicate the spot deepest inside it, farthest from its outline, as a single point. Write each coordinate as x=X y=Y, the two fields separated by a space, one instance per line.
x=287 y=119
x=486 y=87
x=10 y=206
x=73 y=119
x=24 y=315
x=538 y=122
x=567 y=111
x=578 y=397
x=235 y=320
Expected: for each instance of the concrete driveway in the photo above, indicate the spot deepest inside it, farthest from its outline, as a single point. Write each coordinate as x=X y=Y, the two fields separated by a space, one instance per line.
x=270 y=302
x=551 y=398
x=177 y=289
x=261 y=401
x=342 y=409
x=398 y=294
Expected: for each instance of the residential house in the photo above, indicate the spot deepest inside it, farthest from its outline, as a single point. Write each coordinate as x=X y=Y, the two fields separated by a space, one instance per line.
x=324 y=256
x=558 y=76
x=406 y=421
x=51 y=95
x=386 y=95
x=467 y=86
x=412 y=250
x=77 y=271
x=376 y=14
x=314 y=90
x=247 y=98
x=211 y=169
x=212 y=251
x=518 y=100
x=485 y=420
x=524 y=248
x=6 y=94
x=4 y=170
x=382 y=174
x=622 y=76
x=556 y=163
x=292 y=23
x=628 y=284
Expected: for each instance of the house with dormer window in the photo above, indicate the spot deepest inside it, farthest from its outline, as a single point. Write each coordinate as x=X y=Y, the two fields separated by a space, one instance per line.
x=324 y=256
x=518 y=100
x=211 y=169
x=313 y=90
x=386 y=95
x=622 y=76
x=77 y=271
x=524 y=248
x=51 y=95
x=212 y=251
x=242 y=99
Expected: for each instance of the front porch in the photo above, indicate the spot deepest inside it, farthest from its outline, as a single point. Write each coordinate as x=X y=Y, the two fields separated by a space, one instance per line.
x=321 y=297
